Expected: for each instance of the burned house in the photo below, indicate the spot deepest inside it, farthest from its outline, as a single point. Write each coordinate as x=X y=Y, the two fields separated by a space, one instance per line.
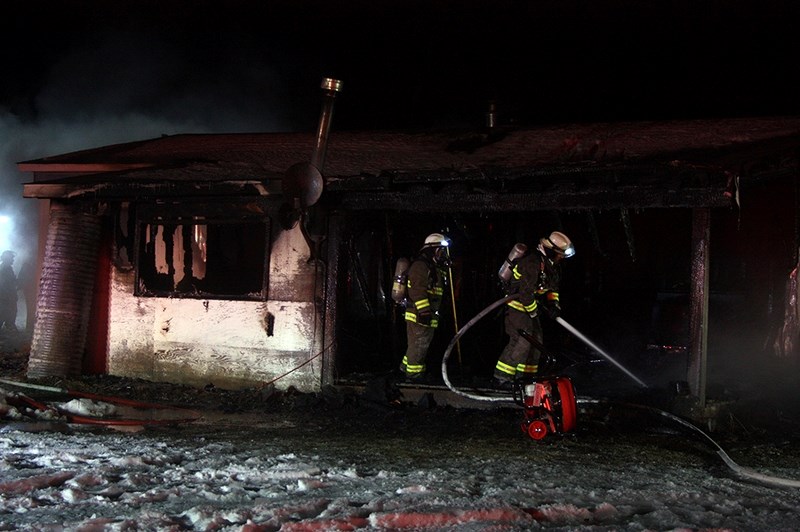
x=240 y=259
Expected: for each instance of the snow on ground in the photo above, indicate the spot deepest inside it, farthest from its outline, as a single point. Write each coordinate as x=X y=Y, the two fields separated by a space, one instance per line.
x=374 y=467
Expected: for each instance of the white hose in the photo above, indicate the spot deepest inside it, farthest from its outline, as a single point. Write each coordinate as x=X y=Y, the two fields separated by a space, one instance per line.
x=736 y=468
x=454 y=341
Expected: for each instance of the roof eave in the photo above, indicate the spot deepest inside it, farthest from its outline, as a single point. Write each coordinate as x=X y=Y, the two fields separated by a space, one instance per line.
x=120 y=191
x=79 y=168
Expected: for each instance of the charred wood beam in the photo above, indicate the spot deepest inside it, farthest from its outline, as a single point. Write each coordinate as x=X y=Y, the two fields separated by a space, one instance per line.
x=546 y=188
x=594 y=233
x=149 y=189
x=626 y=224
x=451 y=201
x=572 y=177
x=697 y=371
x=220 y=208
x=330 y=336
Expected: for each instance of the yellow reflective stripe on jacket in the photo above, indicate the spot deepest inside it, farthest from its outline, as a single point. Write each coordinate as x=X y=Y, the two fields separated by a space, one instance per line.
x=527 y=368
x=516 y=305
x=517 y=274
x=505 y=368
x=422 y=303
x=412 y=317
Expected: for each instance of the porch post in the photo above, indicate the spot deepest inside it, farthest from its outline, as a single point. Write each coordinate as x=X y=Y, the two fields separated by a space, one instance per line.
x=330 y=348
x=698 y=304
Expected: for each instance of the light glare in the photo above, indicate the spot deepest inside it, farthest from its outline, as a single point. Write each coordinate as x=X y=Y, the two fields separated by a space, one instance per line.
x=6 y=228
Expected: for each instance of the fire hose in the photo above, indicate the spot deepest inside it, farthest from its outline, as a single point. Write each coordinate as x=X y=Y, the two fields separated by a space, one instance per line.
x=736 y=468
x=487 y=310
x=454 y=341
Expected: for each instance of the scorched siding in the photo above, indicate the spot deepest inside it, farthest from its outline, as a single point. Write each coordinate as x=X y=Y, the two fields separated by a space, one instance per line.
x=230 y=344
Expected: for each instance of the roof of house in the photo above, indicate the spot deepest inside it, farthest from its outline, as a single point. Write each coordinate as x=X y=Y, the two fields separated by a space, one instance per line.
x=578 y=165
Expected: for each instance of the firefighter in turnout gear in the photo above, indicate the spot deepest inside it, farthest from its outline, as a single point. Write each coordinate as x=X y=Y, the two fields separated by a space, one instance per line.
x=535 y=278
x=427 y=279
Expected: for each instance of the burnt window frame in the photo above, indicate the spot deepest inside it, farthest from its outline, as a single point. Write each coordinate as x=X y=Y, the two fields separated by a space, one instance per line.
x=200 y=214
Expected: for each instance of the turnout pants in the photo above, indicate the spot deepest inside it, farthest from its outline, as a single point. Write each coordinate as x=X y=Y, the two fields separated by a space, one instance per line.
x=519 y=359
x=419 y=339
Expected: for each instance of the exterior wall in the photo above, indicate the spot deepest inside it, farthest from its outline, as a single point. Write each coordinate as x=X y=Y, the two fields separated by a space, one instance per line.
x=230 y=344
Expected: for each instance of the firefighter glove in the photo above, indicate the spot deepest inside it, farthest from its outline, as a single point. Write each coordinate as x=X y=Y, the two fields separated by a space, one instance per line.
x=552 y=309
x=424 y=317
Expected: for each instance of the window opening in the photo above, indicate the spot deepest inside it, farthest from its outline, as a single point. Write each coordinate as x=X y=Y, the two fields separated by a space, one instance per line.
x=199 y=257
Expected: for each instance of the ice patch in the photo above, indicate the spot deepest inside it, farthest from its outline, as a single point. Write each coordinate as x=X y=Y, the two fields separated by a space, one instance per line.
x=89 y=408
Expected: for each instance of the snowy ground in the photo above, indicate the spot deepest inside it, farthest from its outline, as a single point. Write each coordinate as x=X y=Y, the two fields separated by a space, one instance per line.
x=348 y=465
x=255 y=460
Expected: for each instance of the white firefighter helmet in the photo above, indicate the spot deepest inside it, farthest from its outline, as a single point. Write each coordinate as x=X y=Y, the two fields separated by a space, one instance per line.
x=440 y=246
x=436 y=240
x=558 y=243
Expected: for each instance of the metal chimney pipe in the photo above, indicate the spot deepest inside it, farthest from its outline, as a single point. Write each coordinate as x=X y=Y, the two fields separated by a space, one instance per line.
x=330 y=87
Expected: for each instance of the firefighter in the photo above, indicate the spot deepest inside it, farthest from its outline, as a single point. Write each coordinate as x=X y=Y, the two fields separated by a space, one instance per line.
x=535 y=278
x=427 y=279
x=8 y=292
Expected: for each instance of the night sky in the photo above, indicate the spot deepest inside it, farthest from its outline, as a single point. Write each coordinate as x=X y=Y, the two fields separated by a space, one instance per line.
x=85 y=73
x=240 y=65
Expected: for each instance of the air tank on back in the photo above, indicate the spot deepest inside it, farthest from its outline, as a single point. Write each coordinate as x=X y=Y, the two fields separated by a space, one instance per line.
x=399 y=287
x=516 y=252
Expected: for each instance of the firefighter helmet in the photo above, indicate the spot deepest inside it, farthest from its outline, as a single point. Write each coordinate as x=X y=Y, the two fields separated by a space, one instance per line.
x=439 y=244
x=7 y=255
x=436 y=240
x=558 y=243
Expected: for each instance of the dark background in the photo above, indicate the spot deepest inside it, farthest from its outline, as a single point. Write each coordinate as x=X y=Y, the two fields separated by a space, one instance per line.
x=84 y=73
x=403 y=64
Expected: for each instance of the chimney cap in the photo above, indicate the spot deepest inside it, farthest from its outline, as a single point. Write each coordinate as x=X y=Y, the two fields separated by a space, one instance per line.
x=331 y=84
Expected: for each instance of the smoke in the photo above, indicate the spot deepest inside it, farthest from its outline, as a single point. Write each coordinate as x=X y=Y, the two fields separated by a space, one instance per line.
x=122 y=86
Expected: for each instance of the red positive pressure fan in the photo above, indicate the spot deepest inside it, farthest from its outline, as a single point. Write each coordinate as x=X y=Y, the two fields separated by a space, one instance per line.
x=550 y=407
